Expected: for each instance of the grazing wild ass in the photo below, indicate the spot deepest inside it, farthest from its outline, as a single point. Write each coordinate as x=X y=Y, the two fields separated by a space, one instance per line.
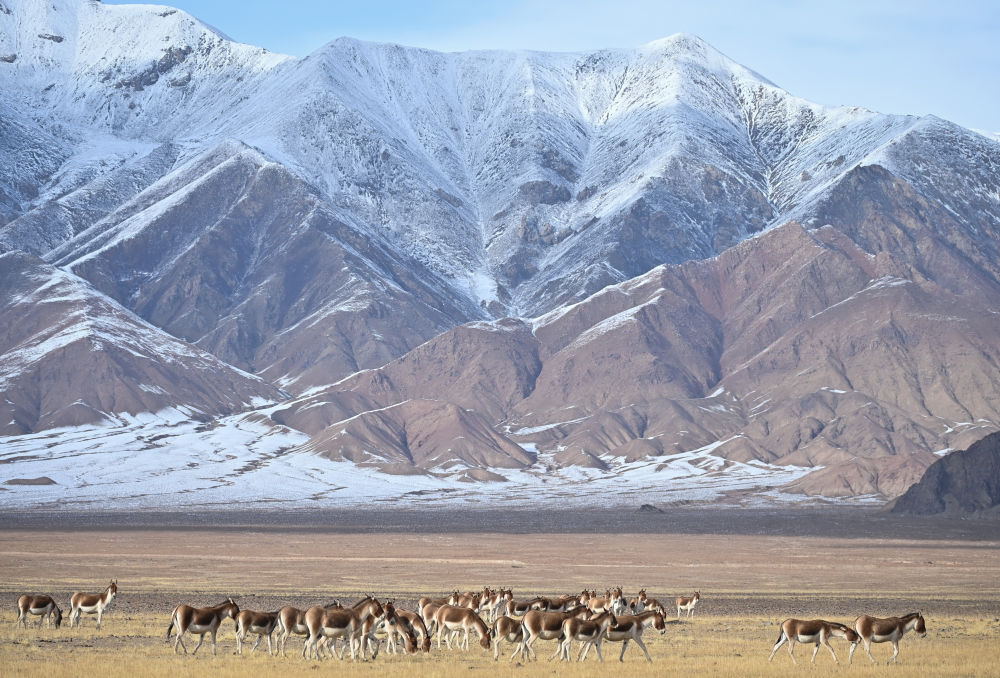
x=419 y=628
x=816 y=631
x=200 y=620
x=390 y=625
x=91 y=603
x=450 y=618
x=42 y=606
x=889 y=630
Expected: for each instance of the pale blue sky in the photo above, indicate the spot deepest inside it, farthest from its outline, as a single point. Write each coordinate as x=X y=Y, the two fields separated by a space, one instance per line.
x=895 y=57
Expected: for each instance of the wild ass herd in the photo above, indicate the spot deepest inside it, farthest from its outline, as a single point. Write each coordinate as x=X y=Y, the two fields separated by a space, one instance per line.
x=361 y=628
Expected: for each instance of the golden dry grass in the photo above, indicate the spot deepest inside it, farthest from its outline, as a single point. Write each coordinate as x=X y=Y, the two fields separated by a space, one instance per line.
x=709 y=646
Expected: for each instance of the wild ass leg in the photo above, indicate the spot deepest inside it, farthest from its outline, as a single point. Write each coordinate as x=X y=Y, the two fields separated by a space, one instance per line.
x=895 y=652
x=638 y=641
x=178 y=641
x=782 y=639
x=826 y=641
x=868 y=649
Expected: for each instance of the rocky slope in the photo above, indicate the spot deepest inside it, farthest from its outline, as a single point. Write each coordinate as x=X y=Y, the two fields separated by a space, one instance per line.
x=963 y=482
x=72 y=356
x=465 y=263
x=795 y=348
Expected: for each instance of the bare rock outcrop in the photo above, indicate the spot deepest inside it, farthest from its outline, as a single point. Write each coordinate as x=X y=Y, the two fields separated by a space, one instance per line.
x=963 y=482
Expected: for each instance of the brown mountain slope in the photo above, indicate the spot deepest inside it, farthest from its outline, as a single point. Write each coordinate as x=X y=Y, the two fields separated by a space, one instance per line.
x=239 y=256
x=796 y=348
x=71 y=356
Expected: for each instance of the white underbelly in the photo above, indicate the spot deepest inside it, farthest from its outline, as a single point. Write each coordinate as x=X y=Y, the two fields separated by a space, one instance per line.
x=802 y=638
x=200 y=628
x=617 y=637
x=38 y=610
x=883 y=639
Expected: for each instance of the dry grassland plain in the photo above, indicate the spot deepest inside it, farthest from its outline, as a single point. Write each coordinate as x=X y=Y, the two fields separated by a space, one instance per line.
x=749 y=584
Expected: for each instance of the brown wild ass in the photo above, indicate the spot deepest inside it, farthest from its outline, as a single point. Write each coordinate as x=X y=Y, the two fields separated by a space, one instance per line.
x=495 y=603
x=638 y=604
x=200 y=620
x=889 y=630
x=261 y=623
x=518 y=608
x=630 y=628
x=815 y=631
x=390 y=625
x=42 y=606
x=418 y=626
x=590 y=633
x=450 y=618
x=346 y=624
x=508 y=630
x=91 y=603
x=687 y=604
x=293 y=620
x=541 y=625
x=618 y=603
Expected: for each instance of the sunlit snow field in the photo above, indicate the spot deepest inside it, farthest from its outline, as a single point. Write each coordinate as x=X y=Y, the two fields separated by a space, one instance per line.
x=168 y=462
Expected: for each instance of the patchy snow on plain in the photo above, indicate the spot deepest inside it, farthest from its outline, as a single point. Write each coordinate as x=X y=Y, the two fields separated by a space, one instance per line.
x=166 y=461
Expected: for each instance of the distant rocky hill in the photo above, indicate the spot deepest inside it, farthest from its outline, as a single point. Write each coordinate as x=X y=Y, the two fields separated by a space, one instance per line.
x=967 y=481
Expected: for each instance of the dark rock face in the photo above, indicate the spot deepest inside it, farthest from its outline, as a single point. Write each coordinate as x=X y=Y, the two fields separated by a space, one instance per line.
x=543 y=193
x=964 y=482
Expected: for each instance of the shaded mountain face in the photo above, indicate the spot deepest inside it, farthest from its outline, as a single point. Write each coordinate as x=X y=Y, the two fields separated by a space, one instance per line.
x=239 y=256
x=492 y=260
x=72 y=356
x=963 y=482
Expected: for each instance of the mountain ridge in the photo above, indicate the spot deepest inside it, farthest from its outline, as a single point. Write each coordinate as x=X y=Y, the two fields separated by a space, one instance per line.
x=683 y=247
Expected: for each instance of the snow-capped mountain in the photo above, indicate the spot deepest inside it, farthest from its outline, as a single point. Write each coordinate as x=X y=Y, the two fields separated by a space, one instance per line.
x=367 y=216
